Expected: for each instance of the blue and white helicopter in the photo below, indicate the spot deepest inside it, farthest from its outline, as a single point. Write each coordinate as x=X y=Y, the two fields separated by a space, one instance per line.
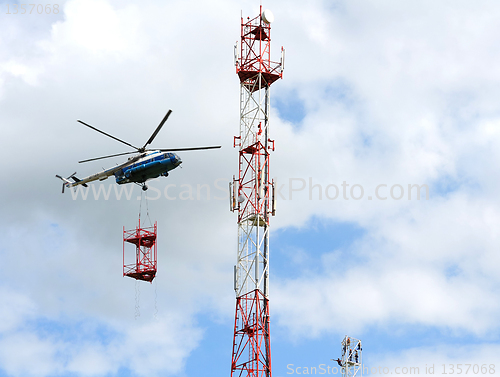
x=147 y=164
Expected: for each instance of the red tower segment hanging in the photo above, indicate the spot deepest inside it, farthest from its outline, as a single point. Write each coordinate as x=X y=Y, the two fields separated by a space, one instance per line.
x=252 y=197
x=144 y=239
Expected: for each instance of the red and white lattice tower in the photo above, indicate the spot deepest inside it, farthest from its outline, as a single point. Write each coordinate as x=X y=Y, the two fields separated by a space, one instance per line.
x=252 y=196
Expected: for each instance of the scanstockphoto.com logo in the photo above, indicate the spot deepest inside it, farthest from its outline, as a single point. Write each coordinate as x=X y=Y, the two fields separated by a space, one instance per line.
x=293 y=189
x=427 y=369
x=218 y=190
x=327 y=369
x=346 y=191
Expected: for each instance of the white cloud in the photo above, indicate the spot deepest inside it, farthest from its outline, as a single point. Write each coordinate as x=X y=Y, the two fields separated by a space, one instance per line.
x=440 y=359
x=433 y=265
x=15 y=309
x=16 y=349
x=97 y=27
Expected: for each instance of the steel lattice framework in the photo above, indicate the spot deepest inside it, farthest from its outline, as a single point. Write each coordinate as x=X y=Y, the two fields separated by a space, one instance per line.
x=351 y=357
x=144 y=266
x=252 y=196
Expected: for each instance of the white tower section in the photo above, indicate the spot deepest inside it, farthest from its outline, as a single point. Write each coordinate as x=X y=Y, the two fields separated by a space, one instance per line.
x=351 y=357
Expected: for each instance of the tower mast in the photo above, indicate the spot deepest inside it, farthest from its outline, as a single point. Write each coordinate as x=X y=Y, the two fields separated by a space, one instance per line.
x=352 y=359
x=252 y=197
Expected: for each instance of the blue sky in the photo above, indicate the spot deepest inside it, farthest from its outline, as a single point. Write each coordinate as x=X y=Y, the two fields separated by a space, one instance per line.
x=377 y=97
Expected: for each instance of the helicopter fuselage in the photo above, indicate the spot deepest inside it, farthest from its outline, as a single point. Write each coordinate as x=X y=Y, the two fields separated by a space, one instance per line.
x=152 y=165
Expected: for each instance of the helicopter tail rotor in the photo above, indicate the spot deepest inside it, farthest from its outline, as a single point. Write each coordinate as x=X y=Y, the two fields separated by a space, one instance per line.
x=67 y=182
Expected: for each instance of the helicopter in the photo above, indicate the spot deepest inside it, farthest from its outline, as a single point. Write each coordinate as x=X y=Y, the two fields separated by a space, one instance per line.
x=145 y=165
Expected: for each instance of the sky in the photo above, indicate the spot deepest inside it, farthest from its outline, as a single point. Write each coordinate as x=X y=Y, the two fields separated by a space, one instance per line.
x=387 y=134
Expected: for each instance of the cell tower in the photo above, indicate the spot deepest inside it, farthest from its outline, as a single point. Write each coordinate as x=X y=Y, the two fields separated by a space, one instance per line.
x=351 y=357
x=252 y=196
x=144 y=266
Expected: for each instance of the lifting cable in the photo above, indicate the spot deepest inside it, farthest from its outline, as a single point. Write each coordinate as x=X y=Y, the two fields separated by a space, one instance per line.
x=143 y=196
x=156 y=301
x=137 y=300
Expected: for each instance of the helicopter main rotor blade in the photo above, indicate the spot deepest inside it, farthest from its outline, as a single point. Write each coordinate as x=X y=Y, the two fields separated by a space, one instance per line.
x=187 y=149
x=100 y=158
x=157 y=129
x=111 y=136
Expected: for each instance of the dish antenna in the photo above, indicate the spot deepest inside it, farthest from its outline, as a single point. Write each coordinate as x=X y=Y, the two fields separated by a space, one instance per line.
x=267 y=16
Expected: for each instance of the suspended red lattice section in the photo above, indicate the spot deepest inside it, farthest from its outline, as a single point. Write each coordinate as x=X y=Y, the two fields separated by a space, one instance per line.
x=144 y=240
